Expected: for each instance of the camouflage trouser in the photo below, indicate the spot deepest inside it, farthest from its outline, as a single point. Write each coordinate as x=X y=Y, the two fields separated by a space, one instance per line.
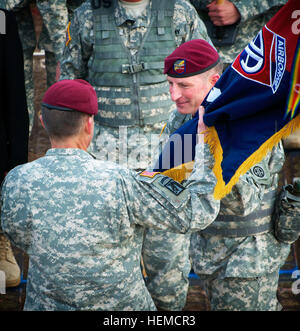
x=50 y=63
x=167 y=265
x=39 y=141
x=29 y=86
x=28 y=39
x=242 y=294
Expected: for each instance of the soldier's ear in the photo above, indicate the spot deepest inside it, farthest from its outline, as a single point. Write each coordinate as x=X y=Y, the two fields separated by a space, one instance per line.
x=214 y=78
x=89 y=125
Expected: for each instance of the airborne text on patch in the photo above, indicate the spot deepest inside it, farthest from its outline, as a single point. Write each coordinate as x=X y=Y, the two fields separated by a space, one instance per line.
x=263 y=60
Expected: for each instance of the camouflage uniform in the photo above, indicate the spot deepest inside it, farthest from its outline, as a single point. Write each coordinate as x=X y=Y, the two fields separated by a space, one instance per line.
x=240 y=271
x=52 y=38
x=166 y=254
x=82 y=220
x=254 y=15
x=138 y=141
x=116 y=142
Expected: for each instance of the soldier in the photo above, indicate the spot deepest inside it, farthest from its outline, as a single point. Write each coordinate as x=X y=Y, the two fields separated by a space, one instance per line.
x=165 y=255
x=51 y=39
x=233 y=24
x=13 y=124
x=237 y=257
x=120 y=49
x=55 y=17
x=82 y=220
x=119 y=46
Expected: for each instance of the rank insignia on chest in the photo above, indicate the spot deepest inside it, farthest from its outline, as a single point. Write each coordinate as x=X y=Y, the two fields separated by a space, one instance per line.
x=68 y=35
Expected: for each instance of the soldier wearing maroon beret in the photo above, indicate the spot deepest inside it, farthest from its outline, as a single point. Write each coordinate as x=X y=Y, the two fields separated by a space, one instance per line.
x=236 y=259
x=65 y=106
x=192 y=69
x=191 y=58
x=82 y=220
x=71 y=95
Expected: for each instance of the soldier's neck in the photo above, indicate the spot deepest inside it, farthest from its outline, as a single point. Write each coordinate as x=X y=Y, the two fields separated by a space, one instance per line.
x=74 y=142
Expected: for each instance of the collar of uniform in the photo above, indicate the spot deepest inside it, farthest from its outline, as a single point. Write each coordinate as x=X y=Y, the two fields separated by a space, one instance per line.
x=121 y=17
x=69 y=152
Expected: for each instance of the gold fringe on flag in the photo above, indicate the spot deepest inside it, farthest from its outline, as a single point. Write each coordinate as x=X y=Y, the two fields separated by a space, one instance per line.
x=222 y=189
x=180 y=172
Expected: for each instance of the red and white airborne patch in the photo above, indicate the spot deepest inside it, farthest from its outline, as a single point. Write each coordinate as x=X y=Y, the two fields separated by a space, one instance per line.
x=264 y=59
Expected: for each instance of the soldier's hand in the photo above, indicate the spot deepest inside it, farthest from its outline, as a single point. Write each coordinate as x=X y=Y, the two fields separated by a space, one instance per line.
x=224 y=14
x=202 y=128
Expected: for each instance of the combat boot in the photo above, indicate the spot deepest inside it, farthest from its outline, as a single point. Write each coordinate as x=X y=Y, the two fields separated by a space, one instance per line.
x=8 y=263
x=292 y=141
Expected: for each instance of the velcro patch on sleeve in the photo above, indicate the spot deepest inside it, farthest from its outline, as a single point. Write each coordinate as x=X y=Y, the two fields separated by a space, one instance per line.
x=173 y=186
x=172 y=191
x=162 y=186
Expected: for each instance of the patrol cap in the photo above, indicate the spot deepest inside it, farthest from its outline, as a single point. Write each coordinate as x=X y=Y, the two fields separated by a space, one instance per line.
x=71 y=95
x=191 y=58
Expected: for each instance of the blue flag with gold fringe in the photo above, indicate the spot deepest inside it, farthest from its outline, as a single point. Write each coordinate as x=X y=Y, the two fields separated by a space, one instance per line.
x=251 y=108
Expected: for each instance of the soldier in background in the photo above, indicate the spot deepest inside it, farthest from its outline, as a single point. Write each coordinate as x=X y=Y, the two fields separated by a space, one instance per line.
x=51 y=39
x=119 y=48
x=233 y=24
x=81 y=220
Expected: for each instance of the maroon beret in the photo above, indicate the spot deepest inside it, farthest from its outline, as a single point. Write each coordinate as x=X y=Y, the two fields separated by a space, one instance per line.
x=71 y=95
x=191 y=58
